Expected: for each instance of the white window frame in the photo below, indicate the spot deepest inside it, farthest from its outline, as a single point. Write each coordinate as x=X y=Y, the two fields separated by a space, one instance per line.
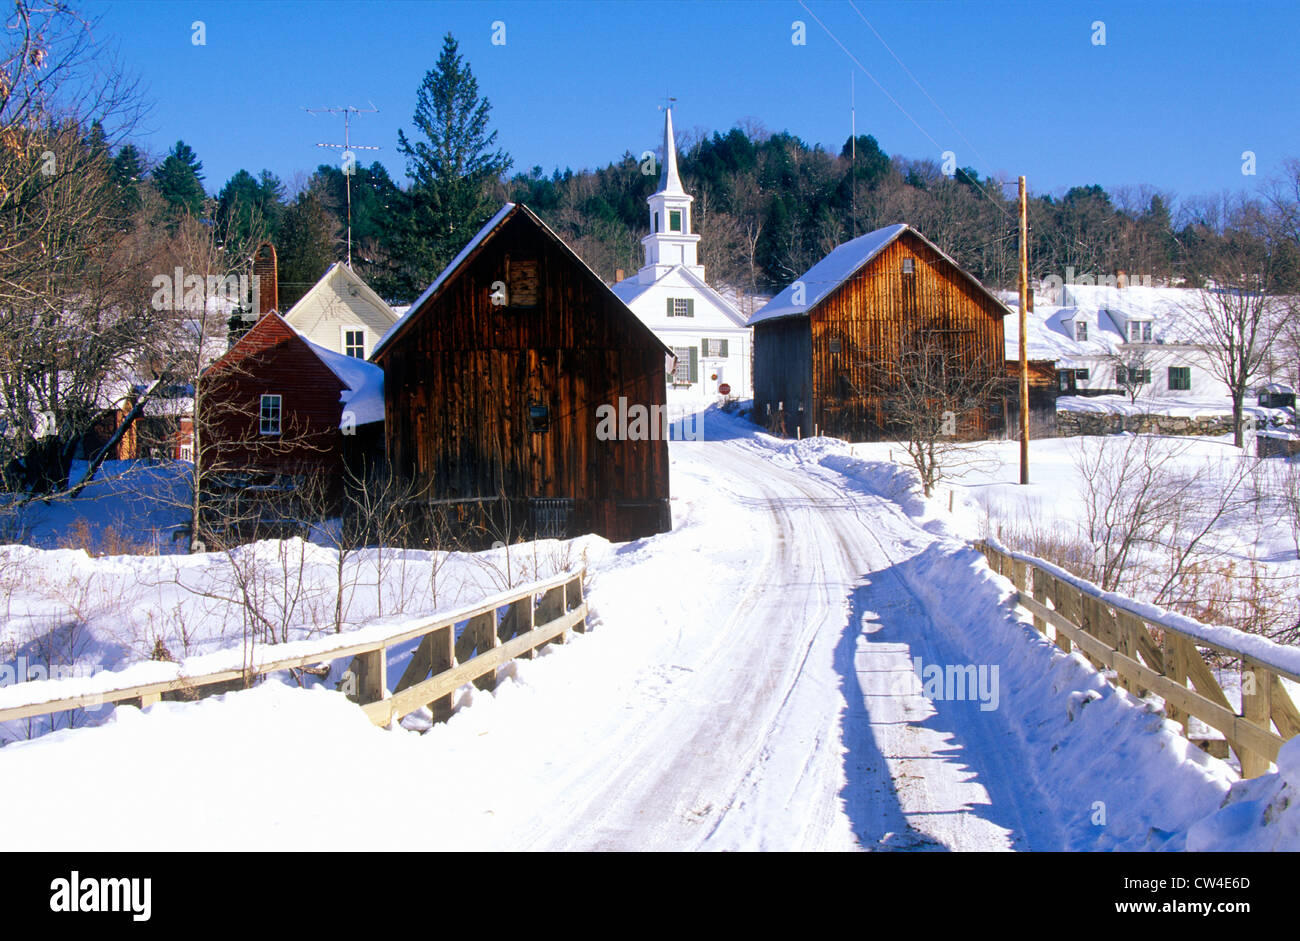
x=1081 y=331
x=365 y=339
x=270 y=421
x=681 y=220
x=711 y=348
x=682 y=371
x=681 y=307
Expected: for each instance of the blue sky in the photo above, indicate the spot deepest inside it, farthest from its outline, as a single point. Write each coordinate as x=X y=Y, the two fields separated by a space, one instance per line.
x=1173 y=98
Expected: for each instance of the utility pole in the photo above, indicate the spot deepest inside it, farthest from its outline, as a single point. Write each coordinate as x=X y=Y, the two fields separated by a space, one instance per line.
x=1024 y=329
x=853 y=158
x=349 y=158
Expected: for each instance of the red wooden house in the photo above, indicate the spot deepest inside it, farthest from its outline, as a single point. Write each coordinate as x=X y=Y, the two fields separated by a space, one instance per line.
x=278 y=406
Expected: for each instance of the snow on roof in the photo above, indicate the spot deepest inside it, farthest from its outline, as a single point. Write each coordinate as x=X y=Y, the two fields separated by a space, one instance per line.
x=364 y=397
x=629 y=289
x=1172 y=312
x=828 y=274
x=446 y=273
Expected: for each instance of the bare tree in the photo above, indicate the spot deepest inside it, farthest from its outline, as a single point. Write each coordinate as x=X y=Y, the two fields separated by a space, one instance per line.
x=938 y=400
x=1235 y=318
x=1133 y=366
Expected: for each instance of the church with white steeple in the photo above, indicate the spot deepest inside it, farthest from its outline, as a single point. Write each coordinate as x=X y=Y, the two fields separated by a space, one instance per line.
x=706 y=333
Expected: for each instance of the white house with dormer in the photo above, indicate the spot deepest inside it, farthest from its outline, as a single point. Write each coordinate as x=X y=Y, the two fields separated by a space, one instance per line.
x=1108 y=339
x=707 y=334
x=342 y=313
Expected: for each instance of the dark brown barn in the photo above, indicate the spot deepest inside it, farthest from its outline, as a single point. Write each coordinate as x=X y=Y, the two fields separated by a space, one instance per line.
x=493 y=380
x=276 y=405
x=827 y=348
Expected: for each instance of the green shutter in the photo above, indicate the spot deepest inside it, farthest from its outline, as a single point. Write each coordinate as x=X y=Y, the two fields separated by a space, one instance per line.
x=724 y=349
x=690 y=307
x=695 y=364
x=670 y=307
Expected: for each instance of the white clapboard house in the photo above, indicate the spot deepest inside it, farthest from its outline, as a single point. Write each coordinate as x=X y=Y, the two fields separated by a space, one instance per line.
x=342 y=313
x=711 y=345
x=1099 y=336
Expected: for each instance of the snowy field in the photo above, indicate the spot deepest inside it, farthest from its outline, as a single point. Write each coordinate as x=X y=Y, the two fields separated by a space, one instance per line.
x=749 y=683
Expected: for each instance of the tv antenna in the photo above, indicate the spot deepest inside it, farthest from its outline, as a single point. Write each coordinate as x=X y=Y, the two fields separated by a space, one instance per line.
x=349 y=158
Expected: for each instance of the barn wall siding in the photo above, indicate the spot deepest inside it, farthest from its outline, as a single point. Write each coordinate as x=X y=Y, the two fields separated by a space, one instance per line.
x=869 y=314
x=783 y=374
x=460 y=379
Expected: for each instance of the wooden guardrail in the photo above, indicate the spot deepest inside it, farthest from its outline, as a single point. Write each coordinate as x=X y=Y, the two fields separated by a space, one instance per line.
x=1150 y=655
x=511 y=624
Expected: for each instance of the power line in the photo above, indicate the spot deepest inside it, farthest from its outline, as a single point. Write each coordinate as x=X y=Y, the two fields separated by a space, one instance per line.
x=906 y=113
x=918 y=84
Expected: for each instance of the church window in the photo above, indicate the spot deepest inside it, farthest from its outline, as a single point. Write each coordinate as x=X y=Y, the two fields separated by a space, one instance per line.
x=675 y=220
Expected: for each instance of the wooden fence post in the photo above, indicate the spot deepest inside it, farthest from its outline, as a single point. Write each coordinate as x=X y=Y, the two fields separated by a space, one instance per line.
x=371 y=676
x=573 y=599
x=1057 y=592
x=1038 y=591
x=552 y=607
x=1257 y=709
x=484 y=630
x=1175 y=648
x=518 y=620
x=442 y=656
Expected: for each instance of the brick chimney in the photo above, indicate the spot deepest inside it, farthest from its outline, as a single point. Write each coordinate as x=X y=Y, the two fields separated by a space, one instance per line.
x=266 y=294
x=619 y=275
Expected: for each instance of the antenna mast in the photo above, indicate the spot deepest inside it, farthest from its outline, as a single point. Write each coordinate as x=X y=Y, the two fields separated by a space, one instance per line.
x=349 y=158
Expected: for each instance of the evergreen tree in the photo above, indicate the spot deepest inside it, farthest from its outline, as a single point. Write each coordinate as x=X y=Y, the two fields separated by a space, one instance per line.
x=127 y=171
x=451 y=163
x=307 y=245
x=247 y=203
x=180 y=180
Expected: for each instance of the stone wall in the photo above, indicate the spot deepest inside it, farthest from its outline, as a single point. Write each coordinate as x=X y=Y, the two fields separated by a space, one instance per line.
x=1102 y=423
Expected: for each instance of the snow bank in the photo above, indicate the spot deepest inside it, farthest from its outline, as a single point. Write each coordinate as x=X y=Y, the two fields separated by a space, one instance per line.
x=1122 y=776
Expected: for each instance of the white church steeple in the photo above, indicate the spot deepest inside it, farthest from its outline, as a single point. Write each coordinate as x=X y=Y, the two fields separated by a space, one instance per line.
x=670 y=242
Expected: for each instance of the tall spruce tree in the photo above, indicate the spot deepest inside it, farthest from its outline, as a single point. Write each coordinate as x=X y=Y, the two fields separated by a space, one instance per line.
x=179 y=178
x=451 y=164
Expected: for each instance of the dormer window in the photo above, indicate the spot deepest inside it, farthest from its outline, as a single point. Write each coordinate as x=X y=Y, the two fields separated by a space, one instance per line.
x=1081 y=330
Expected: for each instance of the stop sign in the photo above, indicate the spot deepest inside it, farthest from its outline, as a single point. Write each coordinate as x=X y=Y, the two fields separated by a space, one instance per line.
x=724 y=389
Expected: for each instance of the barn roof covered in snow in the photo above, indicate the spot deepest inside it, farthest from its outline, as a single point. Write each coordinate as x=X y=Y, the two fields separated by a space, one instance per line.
x=844 y=261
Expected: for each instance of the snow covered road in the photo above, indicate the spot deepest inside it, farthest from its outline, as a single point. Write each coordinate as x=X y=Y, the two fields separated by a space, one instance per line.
x=796 y=726
x=750 y=684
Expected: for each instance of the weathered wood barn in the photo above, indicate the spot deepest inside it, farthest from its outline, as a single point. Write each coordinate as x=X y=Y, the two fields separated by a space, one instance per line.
x=827 y=349
x=278 y=406
x=493 y=379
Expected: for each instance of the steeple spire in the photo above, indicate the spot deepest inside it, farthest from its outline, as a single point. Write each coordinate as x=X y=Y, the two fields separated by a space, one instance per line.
x=671 y=243
x=669 y=181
